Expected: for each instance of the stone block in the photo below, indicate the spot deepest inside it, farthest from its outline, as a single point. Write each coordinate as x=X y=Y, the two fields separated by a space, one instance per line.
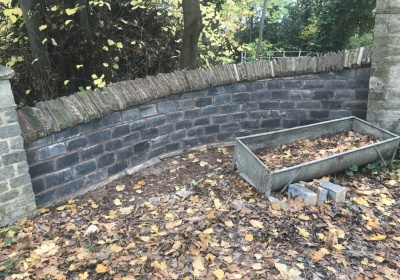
x=141 y=147
x=292 y=84
x=288 y=123
x=323 y=94
x=67 y=160
x=166 y=129
x=279 y=94
x=335 y=84
x=309 y=197
x=85 y=168
x=183 y=124
x=137 y=125
x=38 y=185
x=216 y=90
x=3 y=187
x=76 y=143
x=65 y=134
x=190 y=114
x=209 y=110
x=19 y=181
x=327 y=104
x=95 y=177
x=99 y=137
x=239 y=116
x=118 y=167
x=156 y=152
x=209 y=129
x=296 y=114
x=195 y=131
x=319 y=114
x=45 y=197
x=274 y=85
x=149 y=133
x=222 y=99
x=226 y=136
x=70 y=187
x=91 y=152
x=206 y=139
x=229 y=126
x=13 y=157
x=10 y=130
x=201 y=121
x=321 y=192
x=184 y=104
x=124 y=153
x=159 y=141
x=148 y=110
x=130 y=115
x=345 y=94
x=165 y=107
x=300 y=94
x=202 y=102
x=250 y=124
x=260 y=95
x=178 y=135
x=230 y=108
x=187 y=143
x=259 y=115
x=58 y=177
x=314 y=84
x=40 y=169
x=120 y=130
x=113 y=145
x=269 y=105
x=217 y=119
x=175 y=116
x=156 y=120
x=106 y=160
x=271 y=124
x=336 y=193
x=242 y=97
x=52 y=151
x=172 y=147
x=113 y=119
x=287 y=104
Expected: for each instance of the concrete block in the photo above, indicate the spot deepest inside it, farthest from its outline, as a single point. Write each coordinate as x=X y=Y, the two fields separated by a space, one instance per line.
x=321 y=192
x=336 y=193
x=309 y=197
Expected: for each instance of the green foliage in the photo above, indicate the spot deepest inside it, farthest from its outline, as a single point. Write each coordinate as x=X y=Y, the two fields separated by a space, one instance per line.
x=350 y=171
x=357 y=41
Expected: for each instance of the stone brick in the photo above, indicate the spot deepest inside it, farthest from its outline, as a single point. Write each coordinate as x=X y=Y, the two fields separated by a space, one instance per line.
x=272 y=123
x=216 y=90
x=308 y=104
x=217 y=119
x=319 y=114
x=120 y=130
x=130 y=115
x=331 y=104
x=277 y=113
x=239 y=116
x=336 y=193
x=67 y=160
x=254 y=86
x=314 y=84
x=190 y=114
x=85 y=168
x=45 y=197
x=147 y=110
x=337 y=114
x=300 y=94
x=13 y=157
x=172 y=147
x=309 y=121
x=16 y=143
x=124 y=153
x=22 y=168
x=201 y=121
x=322 y=194
x=241 y=97
x=156 y=120
x=287 y=104
x=166 y=129
x=359 y=83
x=334 y=84
x=98 y=137
x=52 y=151
x=95 y=177
x=251 y=124
x=17 y=182
x=10 y=116
x=4 y=147
x=202 y=102
x=309 y=197
x=141 y=147
x=106 y=160
x=187 y=143
x=178 y=135
x=345 y=74
x=184 y=124
x=260 y=95
x=175 y=116
x=70 y=188
x=229 y=126
x=274 y=85
x=137 y=125
x=138 y=160
x=166 y=106
x=250 y=106
x=66 y=134
x=269 y=105
x=209 y=111
x=118 y=167
x=113 y=119
x=279 y=94
x=76 y=143
x=10 y=130
x=113 y=145
x=361 y=94
x=156 y=152
x=38 y=185
x=363 y=73
x=195 y=131
x=39 y=169
x=226 y=136
x=222 y=99
x=259 y=114
x=289 y=123
x=91 y=126
x=296 y=114
x=230 y=108
x=58 y=177
x=233 y=88
x=209 y=129
x=199 y=93
x=323 y=94
x=131 y=138
x=292 y=84
x=355 y=105
x=359 y=114
x=206 y=139
x=8 y=195
x=184 y=104
x=40 y=143
x=92 y=152
x=159 y=141
x=344 y=94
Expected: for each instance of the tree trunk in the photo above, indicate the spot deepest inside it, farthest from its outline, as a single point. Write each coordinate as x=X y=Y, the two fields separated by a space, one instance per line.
x=261 y=31
x=192 y=27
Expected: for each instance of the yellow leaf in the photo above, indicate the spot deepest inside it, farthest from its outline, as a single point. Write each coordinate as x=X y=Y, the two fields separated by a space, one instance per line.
x=70 y=226
x=172 y=225
x=198 y=264
x=83 y=276
x=119 y=45
x=373 y=223
x=219 y=273
x=61 y=208
x=275 y=206
x=125 y=210
x=169 y=217
x=116 y=249
x=101 y=268
x=210 y=257
x=338 y=247
x=281 y=267
x=256 y=266
x=360 y=201
x=70 y=11
x=203 y=163
x=256 y=224
x=142 y=182
x=60 y=277
x=228 y=223
x=303 y=232
x=157 y=265
x=117 y=201
x=375 y=237
x=68 y=21
x=120 y=188
x=94 y=205
x=145 y=238
x=300 y=265
x=303 y=217
x=42 y=27
x=42 y=211
x=217 y=203
x=364 y=261
x=72 y=267
x=378 y=259
x=249 y=237
x=208 y=231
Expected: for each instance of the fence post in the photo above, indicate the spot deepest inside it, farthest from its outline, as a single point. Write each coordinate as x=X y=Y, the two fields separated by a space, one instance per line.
x=17 y=199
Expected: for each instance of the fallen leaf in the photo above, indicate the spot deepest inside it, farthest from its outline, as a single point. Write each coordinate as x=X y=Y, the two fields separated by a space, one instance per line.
x=256 y=266
x=303 y=217
x=375 y=237
x=116 y=249
x=117 y=202
x=249 y=237
x=228 y=223
x=303 y=232
x=256 y=224
x=83 y=276
x=101 y=268
x=217 y=204
x=379 y=259
x=219 y=273
x=208 y=231
x=360 y=201
x=203 y=163
x=120 y=188
x=198 y=264
x=145 y=238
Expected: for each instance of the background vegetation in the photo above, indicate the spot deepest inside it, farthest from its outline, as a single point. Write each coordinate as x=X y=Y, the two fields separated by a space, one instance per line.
x=61 y=47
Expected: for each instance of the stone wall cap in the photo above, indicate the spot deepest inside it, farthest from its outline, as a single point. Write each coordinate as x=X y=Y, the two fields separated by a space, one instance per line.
x=6 y=73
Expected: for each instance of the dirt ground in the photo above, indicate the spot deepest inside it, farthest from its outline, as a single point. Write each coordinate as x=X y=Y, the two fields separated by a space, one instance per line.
x=192 y=217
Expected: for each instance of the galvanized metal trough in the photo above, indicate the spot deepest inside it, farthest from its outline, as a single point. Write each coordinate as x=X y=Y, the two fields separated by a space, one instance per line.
x=260 y=176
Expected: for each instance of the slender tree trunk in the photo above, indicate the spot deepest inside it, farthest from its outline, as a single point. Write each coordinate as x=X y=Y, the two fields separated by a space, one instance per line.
x=192 y=27
x=261 y=31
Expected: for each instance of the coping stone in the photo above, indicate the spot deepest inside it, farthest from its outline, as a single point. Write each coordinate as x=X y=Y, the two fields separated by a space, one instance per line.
x=61 y=113
x=37 y=126
x=100 y=103
x=27 y=130
x=84 y=112
x=49 y=115
x=336 y=193
x=309 y=197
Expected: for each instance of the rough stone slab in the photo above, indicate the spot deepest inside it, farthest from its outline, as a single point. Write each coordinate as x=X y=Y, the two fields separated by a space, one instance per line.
x=125 y=98
x=61 y=113
x=49 y=115
x=86 y=103
x=115 y=98
x=102 y=105
x=76 y=101
x=309 y=197
x=336 y=193
x=321 y=192
x=27 y=131
x=281 y=204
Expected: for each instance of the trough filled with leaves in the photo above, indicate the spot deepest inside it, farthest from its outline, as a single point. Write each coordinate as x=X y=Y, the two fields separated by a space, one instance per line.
x=273 y=160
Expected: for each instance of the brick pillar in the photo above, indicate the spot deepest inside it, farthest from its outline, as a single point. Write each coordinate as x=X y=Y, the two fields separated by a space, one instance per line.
x=16 y=195
x=384 y=86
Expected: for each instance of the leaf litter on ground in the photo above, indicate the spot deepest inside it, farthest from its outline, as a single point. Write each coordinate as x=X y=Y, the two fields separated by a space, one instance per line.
x=221 y=229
